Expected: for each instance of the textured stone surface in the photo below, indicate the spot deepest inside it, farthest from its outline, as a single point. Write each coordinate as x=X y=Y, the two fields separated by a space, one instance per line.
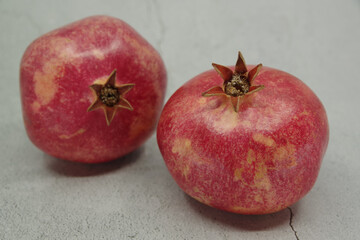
x=135 y=197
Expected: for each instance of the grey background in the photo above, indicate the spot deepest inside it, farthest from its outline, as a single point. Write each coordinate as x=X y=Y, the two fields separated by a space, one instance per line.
x=135 y=197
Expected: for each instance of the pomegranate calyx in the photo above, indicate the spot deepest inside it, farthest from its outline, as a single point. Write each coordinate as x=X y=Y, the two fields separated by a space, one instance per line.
x=214 y=91
x=110 y=98
x=237 y=84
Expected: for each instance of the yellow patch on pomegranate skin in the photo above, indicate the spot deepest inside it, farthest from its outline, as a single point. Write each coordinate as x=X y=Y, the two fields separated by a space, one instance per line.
x=98 y=54
x=286 y=154
x=267 y=141
x=226 y=118
x=306 y=113
x=147 y=57
x=154 y=70
x=182 y=147
x=261 y=179
x=202 y=100
x=142 y=51
x=153 y=67
x=58 y=52
x=244 y=210
x=45 y=86
x=258 y=198
x=35 y=106
x=78 y=132
x=238 y=174
x=203 y=199
x=186 y=170
x=199 y=195
x=246 y=124
x=263 y=183
x=251 y=157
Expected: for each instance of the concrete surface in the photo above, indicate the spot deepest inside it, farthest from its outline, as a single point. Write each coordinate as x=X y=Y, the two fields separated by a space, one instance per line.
x=135 y=197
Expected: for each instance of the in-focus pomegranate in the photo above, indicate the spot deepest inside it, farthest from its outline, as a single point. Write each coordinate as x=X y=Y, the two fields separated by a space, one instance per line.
x=248 y=142
x=92 y=90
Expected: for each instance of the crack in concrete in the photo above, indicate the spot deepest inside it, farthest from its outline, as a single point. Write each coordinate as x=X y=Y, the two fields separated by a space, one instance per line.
x=161 y=25
x=133 y=236
x=290 y=223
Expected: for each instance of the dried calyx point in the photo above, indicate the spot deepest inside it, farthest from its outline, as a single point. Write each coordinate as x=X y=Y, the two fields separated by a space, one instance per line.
x=110 y=97
x=237 y=84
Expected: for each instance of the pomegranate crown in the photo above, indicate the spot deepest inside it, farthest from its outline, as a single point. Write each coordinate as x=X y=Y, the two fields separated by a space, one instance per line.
x=237 y=84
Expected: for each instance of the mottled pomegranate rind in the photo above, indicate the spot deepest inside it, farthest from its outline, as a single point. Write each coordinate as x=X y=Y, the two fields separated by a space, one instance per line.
x=259 y=160
x=56 y=72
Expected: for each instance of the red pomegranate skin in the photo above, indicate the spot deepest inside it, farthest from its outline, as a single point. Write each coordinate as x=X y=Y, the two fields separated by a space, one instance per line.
x=56 y=72
x=257 y=161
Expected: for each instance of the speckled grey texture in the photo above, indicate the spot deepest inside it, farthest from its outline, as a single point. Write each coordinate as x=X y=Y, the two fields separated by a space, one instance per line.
x=135 y=197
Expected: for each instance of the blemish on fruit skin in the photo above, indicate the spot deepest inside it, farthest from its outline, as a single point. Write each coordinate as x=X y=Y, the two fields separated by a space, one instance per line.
x=306 y=113
x=269 y=187
x=262 y=182
x=251 y=157
x=244 y=210
x=35 y=106
x=202 y=199
x=257 y=202
x=98 y=54
x=78 y=132
x=45 y=86
x=184 y=149
x=238 y=174
x=155 y=66
x=149 y=60
x=210 y=103
x=76 y=65
x=225 y=119
x=202 y=101
x=261 y=178
x=185 y=171
x=181 y=146
x=273 y=117
x=267 y=141
x=143 y=55
x=59 y=52
x=258 y=198
x=285 y=154
x=246 y=123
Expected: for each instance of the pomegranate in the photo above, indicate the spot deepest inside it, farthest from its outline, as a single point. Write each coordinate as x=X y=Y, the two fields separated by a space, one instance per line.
x=248 y=142
x=91 y=91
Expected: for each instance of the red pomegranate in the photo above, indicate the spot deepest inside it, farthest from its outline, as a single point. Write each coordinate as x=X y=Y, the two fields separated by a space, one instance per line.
x=91 y=91
x=248 y=142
